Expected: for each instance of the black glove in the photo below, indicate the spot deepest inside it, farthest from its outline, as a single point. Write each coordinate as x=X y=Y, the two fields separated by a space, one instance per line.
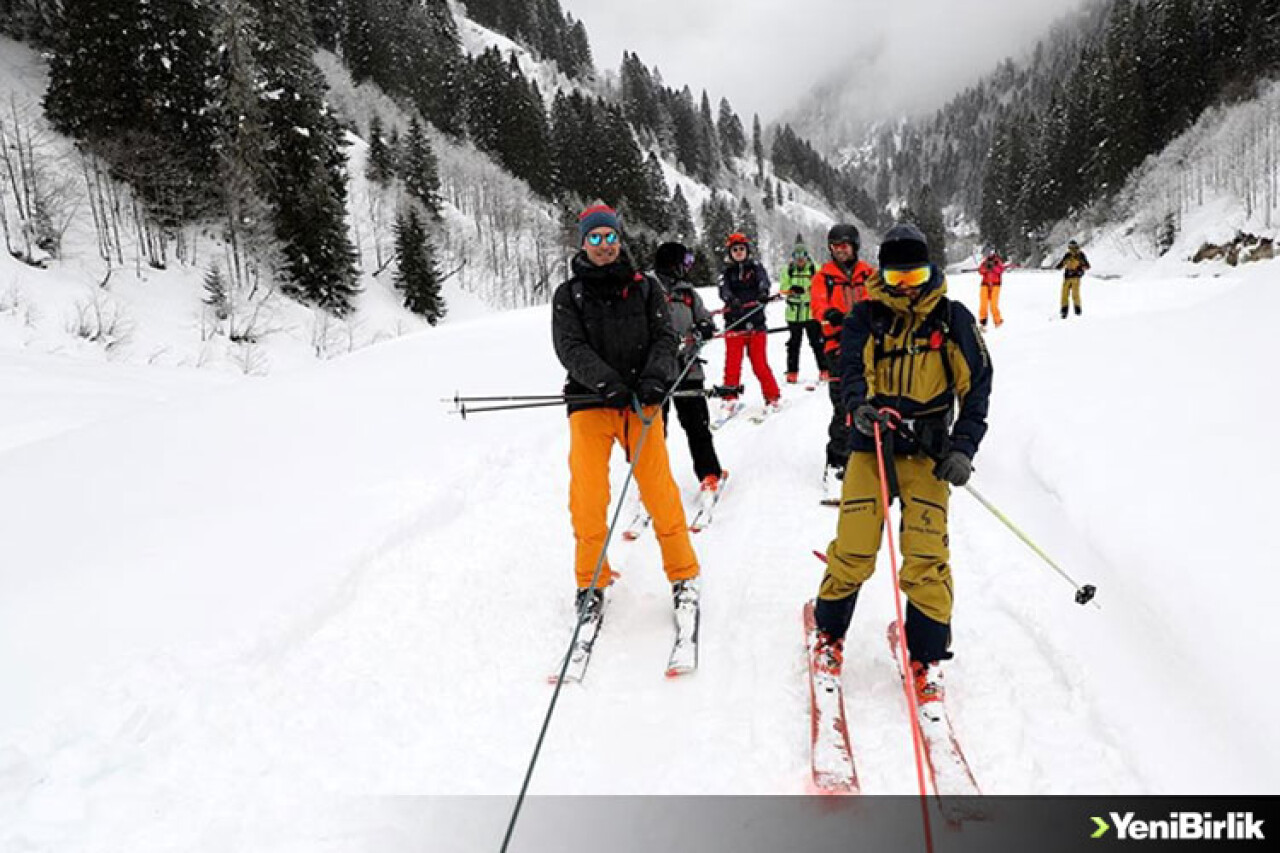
x=864 y=419
x=706 y=331
x=833 y=316
x=955 y=468
x=652 y=391
x=616 y=395
x=796 y=291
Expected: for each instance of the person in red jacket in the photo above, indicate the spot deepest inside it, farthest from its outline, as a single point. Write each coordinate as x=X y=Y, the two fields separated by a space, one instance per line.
x=832 y=293
x=992 y=271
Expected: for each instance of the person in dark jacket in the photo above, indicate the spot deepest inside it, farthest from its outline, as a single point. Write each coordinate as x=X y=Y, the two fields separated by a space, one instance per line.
x=839 y=285
x=692 y=323
x=612 y=332
x=909 y=348
x=744 y=287
x=1074 y=264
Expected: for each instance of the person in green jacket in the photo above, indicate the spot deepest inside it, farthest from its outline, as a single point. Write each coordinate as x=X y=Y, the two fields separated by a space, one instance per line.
x=800 y=322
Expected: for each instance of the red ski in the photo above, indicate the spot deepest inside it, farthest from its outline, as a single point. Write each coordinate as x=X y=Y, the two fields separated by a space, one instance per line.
x=948 y=768
x=833 y=771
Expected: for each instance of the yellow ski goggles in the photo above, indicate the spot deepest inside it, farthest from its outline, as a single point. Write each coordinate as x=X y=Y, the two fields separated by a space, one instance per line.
x=907 y=278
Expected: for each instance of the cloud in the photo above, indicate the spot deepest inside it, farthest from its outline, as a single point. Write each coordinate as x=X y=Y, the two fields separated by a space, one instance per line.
x=767 y=57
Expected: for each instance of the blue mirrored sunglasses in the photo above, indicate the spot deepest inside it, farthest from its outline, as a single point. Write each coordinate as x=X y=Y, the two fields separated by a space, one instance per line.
x=597 y=239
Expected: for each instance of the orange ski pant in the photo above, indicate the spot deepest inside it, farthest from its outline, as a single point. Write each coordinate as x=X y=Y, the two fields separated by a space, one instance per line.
x=592 y=434
x=989 y=300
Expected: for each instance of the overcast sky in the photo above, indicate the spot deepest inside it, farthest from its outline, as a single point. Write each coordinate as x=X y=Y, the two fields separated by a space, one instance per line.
x=766 y=55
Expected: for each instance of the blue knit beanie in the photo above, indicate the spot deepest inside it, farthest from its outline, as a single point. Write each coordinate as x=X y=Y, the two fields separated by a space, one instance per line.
x=598 y=216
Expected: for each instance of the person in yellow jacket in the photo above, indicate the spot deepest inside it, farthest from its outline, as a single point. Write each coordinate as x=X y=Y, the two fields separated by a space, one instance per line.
x=1073 y=265
x=909 y=349
x=794 y=285
x=612 y=332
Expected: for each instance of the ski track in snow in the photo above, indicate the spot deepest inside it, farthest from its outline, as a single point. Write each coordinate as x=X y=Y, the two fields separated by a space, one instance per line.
x=420 y=665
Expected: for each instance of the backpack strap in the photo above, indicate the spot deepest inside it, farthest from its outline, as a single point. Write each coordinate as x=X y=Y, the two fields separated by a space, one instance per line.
x=937 y=325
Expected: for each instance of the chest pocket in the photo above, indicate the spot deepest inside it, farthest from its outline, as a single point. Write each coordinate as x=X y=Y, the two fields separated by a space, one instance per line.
x=911 y=367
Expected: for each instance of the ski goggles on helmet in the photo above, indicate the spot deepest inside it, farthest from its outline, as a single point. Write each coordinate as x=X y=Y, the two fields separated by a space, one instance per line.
x=913 y=277
x=595 y=238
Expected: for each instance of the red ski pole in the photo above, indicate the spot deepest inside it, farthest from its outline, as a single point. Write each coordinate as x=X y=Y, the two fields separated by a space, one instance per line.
x=917 y=738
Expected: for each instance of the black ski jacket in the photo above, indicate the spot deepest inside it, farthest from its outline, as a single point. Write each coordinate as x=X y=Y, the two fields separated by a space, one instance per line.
x=743 y=286
x=610 y=324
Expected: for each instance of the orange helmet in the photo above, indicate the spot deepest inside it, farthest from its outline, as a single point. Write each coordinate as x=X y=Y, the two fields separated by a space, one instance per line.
x=737 y=238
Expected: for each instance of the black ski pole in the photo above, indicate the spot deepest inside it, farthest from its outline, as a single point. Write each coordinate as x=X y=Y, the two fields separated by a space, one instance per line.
x=577 y=628
x=463 y=407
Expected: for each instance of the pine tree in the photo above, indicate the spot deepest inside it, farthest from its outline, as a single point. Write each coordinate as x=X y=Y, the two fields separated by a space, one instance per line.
x=417 y=276
x=746 y=221
x=925 y=212
x=682 y=218
x=767 y=198
x=242 y=146
x=994 y=218
x=308 y=188
x=652 y=207
x=717 y=223
x=420 y=169
x=757 y=143
x=709 y=140
x=379 y=166
x=326 y=21
x=733 y=140
x=215 y=293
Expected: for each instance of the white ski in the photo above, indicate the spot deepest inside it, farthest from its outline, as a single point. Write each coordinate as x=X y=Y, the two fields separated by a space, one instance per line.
x=727 y=413
x=707 y=504
x=580 y=653
x=636 y=526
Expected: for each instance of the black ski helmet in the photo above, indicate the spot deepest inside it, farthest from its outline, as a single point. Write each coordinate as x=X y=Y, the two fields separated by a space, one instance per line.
x=843 y=232
x=670 y=257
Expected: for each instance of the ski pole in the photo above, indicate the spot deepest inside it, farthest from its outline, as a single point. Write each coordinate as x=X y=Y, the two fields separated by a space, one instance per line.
x=1084 y=592
x=887 y=418
x=745 y=333
x=508 y=398
x=526 y=402
x=464 y=410
x=714 y=391
x=577 y=628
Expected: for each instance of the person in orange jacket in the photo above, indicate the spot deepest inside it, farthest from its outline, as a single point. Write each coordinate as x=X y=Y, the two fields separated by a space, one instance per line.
x=992 y=271
x=612 y=331
x=832 y=293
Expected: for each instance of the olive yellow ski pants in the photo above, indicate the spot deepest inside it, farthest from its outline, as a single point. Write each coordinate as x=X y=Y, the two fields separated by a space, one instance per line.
x=925 y=576
x=1071 y=289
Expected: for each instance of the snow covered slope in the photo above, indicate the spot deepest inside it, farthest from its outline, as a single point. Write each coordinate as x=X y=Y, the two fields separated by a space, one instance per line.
x=220 y=610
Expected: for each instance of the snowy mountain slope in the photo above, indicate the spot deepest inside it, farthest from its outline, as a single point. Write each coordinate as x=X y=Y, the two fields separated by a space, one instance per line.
x=219 y=611
x=1219 y=178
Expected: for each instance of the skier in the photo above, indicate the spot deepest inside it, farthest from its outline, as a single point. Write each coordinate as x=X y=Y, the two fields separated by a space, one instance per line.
x=992 y=271
x=691 y=320
x=744 y=287
x=912 y=348
x=613 y=334
x=1073 y=266
x=795 y=280
x=835 y=288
